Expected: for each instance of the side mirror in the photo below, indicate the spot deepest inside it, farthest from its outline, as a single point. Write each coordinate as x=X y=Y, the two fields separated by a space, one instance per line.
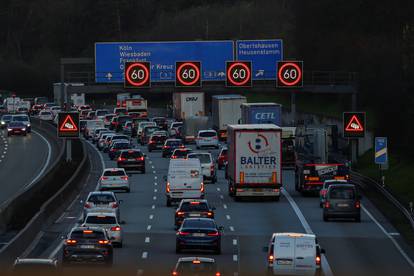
x=265 y=248
x=323 y=251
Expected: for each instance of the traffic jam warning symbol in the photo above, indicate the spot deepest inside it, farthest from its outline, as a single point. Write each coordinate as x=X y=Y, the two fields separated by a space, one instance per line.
x=290 y=74
x=354 y=124
x=238 y=74
x=68 y=126
x=137 y=74
x=188 y=74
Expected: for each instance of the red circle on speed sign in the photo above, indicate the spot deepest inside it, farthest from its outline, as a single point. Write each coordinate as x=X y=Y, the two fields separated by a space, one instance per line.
x=184 y=81
x=292 y=66
x=240 y=80
x=145 y=78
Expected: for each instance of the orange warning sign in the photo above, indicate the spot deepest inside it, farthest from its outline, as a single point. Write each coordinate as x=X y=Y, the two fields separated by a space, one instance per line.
x=68 y=125
x=354 y=125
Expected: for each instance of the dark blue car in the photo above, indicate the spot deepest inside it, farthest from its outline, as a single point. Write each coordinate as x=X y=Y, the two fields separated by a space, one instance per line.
x=170 y=145
x=199 y=233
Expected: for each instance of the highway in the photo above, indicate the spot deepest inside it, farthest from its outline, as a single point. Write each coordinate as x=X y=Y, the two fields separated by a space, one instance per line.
x=23 y=160
x=149 y=237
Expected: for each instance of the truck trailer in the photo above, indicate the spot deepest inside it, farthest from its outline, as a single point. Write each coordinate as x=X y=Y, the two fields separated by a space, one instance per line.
x=226 y=110
x=188 y=104
x=261 y=113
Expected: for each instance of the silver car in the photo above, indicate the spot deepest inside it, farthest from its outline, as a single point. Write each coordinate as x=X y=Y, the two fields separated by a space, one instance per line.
x=114 y=179
x=98 y=201
x=107 y=221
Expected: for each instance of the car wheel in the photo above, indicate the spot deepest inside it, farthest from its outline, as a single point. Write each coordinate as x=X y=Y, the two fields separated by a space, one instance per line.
x=276 y=198
x=128 y=190
x=358 y=218
x=325 y=218
x=143 y=171
x=168 y=202
x=320 y=204
x=217 y=251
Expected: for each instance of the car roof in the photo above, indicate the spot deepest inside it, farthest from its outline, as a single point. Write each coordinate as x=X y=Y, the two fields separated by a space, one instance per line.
x=293 y=235
x=97 y=214
x=101 y=193
x=342 y=185
x=113 y=169
x=194 y=200
x=202 y=259
x=199 y=219
x=206 y=130
x=337 y=181
x=173 y=140
x=94 y=228
x=35 y=261
x=200 y=153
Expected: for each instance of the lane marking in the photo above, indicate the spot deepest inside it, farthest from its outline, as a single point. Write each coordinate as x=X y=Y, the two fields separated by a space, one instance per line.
x=151 y=216
x=49 y=156
x=234 y=242
x=147 y=240
x=402 y=252
x=155 y=190
x=144 y=255
x=218 y=189
x=155 y=177
x=235 y=258
x=55 y=251
x=231 y=228
x=228 y=217
x=155 y=184
x=152 y=167
x=153 y=172
x=149 y=227
x=394 y=234
x=224 y=206
x=154 y=198
x=221 y=196
x=153 y=207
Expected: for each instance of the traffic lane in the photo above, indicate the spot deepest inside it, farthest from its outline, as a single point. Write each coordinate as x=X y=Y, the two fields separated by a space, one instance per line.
x=357 y=248
x=24 y=160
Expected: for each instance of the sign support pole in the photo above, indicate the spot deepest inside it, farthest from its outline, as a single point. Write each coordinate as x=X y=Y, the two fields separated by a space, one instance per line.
x=293 y=107
x=68 y=150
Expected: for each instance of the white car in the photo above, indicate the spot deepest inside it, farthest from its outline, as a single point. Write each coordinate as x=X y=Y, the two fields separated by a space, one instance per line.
x=107 y=221
x=101 y=144
x=102 y=202
x=294 y=254
x=141 y=126
x=114 y=179
x=55 y=110
x=207 y=138
x=46 y=115
x=173 y=128
x=208 y=167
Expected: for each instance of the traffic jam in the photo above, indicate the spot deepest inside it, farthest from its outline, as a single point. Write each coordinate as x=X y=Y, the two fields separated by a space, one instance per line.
x=246 y=146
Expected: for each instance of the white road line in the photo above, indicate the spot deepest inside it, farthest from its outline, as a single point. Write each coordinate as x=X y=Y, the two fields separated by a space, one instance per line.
x=155 y=191
x=234 y=242
x=153 y=172
x=224 y=206
x=4 y=152
x=49 y=155
x=235 y=258
x=150 y=161
x=221 y=196
x=152 y=167
x=228 y=217
x=154 y=198
x=155 y=184
x=153 y=207
x=147 y=239
x=151 y=216
x=231 y=228
x=218 y=189
x=54 y=252
x=149 y=227
x=155 y=177
x=406 y=257
x=327 y=271
x=2 y=156
x=144 y=255
x=394 y=234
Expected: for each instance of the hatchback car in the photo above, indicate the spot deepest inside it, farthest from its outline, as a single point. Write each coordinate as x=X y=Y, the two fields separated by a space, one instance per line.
x=141 y=126
x=207 y=165
x=16 y=128
x=107 y=221
x=324 y=190
x=132 y=159
x=114 y=179
x=222 y=158
x=118 y=145
x=96 y=133
x=46 y=115
x=118 y=122
x=156 y=141
x=102 y=142
x=146 y=133
x=207 y=138
x=196 y=266
x=101 y=202
x=87 y=244
x=127 y=128
x=193 y=208
x=342 y=201
x=199 y=233
x=170 y=145
x=173 y=129
x=107 y=119
x=181 y=153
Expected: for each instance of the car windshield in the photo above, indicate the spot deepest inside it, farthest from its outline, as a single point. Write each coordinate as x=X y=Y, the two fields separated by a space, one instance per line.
x=122 y=145
x=100 y=220
x=20 y=118
x=342 y=193
x=6 y=118
x=204 y=158
x=101 y=198
x=181 y=153
x=101 y=112
x=131 y=154
x=16 y=124
x=207 y=134
x=114 y=173
x=87 y=234
x=198 y=223
x=194 y=207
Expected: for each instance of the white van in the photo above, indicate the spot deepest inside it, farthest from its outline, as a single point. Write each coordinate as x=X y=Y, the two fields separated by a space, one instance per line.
x=184 y=180
x=294 y=254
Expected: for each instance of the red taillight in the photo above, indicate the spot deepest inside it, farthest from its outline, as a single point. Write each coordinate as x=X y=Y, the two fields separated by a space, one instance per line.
x=323 y=192
x=115 y=205
x=218 y=274
x=174 y=273
x=168 y=187
x=358 y=204
x=116 y=228
x=318 y=260
x=104 y=178
x=113 y=149
x=166 y=147
x=213 y=234
x=124 y=177
x=180 y=214
x=140 y=158
x=152 y=142
x=181 y=233
x=103 y=242
x=327 y=204
x=121 y=159
x=87 y=205
x=210 y=214
x=202 y=187
x=69 y=241
x=270 y=259
x=173 y=157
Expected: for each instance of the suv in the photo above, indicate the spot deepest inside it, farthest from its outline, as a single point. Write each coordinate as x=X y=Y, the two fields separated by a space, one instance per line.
x=342 y=201
x=101 y=202
x=131 y=159
x=181 y=153
x=161 y=122
x=114 y=179
x=193 y=208
x=207 y=138
x=147 y=131
x=208 y=167
x=107 y=221
x=324 y=190
x=87 y=244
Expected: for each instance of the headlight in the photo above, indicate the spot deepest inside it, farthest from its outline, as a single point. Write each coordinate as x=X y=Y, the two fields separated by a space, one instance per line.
x=9 y=129
x=24 y=129
x=28 y=125
x=3 y=122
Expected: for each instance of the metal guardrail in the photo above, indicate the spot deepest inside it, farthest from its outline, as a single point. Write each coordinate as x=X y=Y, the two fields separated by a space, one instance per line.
x=363 y=180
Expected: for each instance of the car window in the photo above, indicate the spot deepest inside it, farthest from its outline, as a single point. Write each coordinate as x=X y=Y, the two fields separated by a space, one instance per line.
x=100 y=220
x=101 y=112
x=101 y=198
x=131 y=154
x=342 y=193
x=20 y=118
x=6 y=117
x=80 y=234
x=173 y=143
x=123 y=119
x=194 y=207
x=198 y=224
x=204 y=158
x=122 y=145
x=114 y=173
x=207 y=134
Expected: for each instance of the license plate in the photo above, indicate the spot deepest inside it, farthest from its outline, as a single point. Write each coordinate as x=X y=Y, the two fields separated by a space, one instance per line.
x=284 y=262
x=343 y=205
x=87 y=246
x=194 y=215
x=131 y=159
x=258 y=190
x=199 y=235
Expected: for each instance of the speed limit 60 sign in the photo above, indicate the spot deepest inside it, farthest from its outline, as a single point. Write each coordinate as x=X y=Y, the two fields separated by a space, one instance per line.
x=290 y=74
x=188 y=74
x=238 y=74
x=137 y=75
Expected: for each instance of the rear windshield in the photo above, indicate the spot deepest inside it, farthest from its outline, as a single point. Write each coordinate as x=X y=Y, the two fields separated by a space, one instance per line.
x=114 y=173
x=202 y=268
x=160 y=120
x=194 y=207
x=45 y=113
x=198 y=224
x=109 y=117
x=100 y=220
x=120 y=110
x=174 y=143
x=101 y=112
x=181 y=153
x=118 y=137
x=150 y=130
x=204 y=158
x=176 y=124
x=122 y=145
x=99 y=199
x=158 y=138
x=131 y=154
x=224 y=151
x=342 y=193
x=95 y=235
x=123 y=119
x=207 y=134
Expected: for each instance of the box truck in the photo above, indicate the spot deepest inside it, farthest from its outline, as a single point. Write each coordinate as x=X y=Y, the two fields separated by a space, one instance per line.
x=188 y=104
x=138 y=105
x=261 y=113
x=226 y=110
x=254 y=168
x=191 y=127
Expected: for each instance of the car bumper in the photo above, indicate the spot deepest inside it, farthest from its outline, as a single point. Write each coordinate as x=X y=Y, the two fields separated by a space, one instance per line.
x=341 y=214
x=14 y=132
x=191 y=243
x=123 y=186
x=139 y=166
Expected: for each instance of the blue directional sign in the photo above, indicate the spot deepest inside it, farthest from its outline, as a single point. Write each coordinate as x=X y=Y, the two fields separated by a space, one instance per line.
x=264 y=55
x=381 y=150
x=111 y=57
